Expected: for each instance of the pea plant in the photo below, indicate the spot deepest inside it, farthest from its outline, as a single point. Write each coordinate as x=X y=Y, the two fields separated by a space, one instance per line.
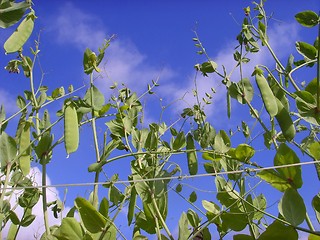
x=287 y=124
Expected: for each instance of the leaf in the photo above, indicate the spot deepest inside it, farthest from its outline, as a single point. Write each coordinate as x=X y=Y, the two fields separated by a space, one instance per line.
x=235 y=220
x=91 y=218
x=191 y=155
x=104 y=207
x=278 y=230
x=292 y=208
x=211 y=207
x=19 y=37
x=307 y=107
x=244 y=152
x=132 y=205
x=307 y=50
x=183 y=227
x=313 y=237
x=316 y=206
x=307 y=18
x=314 y=149
x=11 y=12
x=275 y=179
x=260 y=203
x=222 y=142
x=69 y=229
x=207 y=67
x=285 y=156
x=193 y=218
x=97 y=101
x=179 y=142
x=193 y=197
x=242 y=237
x=8 y=149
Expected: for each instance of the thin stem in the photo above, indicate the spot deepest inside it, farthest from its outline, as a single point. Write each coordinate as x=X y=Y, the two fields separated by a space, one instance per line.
x=318 y=72
x=96 y=146
x=163 y=223
x=309 y=222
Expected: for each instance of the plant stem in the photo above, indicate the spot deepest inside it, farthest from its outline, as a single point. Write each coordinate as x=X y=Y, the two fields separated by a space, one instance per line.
x=308 y=220
x=96 y=146
x=5 y=186
x=163 y=223
x=318 y=72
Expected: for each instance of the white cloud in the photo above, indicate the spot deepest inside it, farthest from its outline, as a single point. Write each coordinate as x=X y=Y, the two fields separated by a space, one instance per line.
x=8 y=102
x=35 y=230
x=123 y=63
x=281 y=38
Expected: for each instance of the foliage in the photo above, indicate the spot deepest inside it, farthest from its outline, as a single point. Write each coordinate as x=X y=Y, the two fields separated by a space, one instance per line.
x=289 y=122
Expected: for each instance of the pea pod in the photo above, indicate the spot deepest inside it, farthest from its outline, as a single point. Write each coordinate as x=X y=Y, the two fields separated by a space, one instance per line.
x=24 y=149
x=269 y=100
x=71 y=128
x=285 y=122
x=191 y=155
x=21 y=35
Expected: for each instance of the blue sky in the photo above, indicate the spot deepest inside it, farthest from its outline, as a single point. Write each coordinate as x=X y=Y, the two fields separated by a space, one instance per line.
x=153 y=40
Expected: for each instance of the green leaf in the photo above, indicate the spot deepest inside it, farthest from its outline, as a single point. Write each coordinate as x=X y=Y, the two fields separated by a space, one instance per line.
x=192 y=156
x=314 y=149
x=307 y=50
x=207 y=67
x=275 y=179
x=183 y=227
x=313 y=237
x=278 y=230
x=222 y=142
x=20 y=35
x=307 y=18
x=226 y=194
x=307 y=107
x=242 y=91
x=211 y=207
x=260 y=203
x=316 y=206
x=179 y=142
x=91 y=218
x=292 y=208
x=70 y=229
x=104 y=207
x=193 y=218
x=235 y=220
x=11 y=12
x=98 y=98
x=242 y=237
x=193 y=197
x=284 y=156
x=8 y=149
x=244 y=152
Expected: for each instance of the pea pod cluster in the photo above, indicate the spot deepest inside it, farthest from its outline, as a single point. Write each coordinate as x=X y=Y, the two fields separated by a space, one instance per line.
x=268 y=98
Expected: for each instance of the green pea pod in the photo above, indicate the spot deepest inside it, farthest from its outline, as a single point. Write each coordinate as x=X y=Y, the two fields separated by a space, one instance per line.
x=268 y=98
x=19 y=37
x=285 y=122
x=25 y=150
x=191 y=155
x=71 y=128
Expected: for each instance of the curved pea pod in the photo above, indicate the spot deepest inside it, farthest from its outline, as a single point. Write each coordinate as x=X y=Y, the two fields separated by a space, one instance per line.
x=16 y=41
x=268 y=98
x=71 y=128
x=24 y=149
x=191 y=155
x=285 y=122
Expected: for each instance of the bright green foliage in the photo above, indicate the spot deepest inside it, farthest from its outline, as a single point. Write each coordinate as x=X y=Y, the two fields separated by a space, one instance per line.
x=159 y=156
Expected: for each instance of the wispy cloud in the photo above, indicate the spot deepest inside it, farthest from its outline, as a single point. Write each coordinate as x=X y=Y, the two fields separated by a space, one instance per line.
x=282 y=41
x=124 y=63
x=35 y=230
x=8 y=102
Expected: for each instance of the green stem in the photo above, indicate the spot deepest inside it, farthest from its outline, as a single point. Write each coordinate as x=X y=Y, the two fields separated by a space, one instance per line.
x=96 y=146
x=163 y=223
x=318 y=71
x=2 y=195
x=310 y=225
